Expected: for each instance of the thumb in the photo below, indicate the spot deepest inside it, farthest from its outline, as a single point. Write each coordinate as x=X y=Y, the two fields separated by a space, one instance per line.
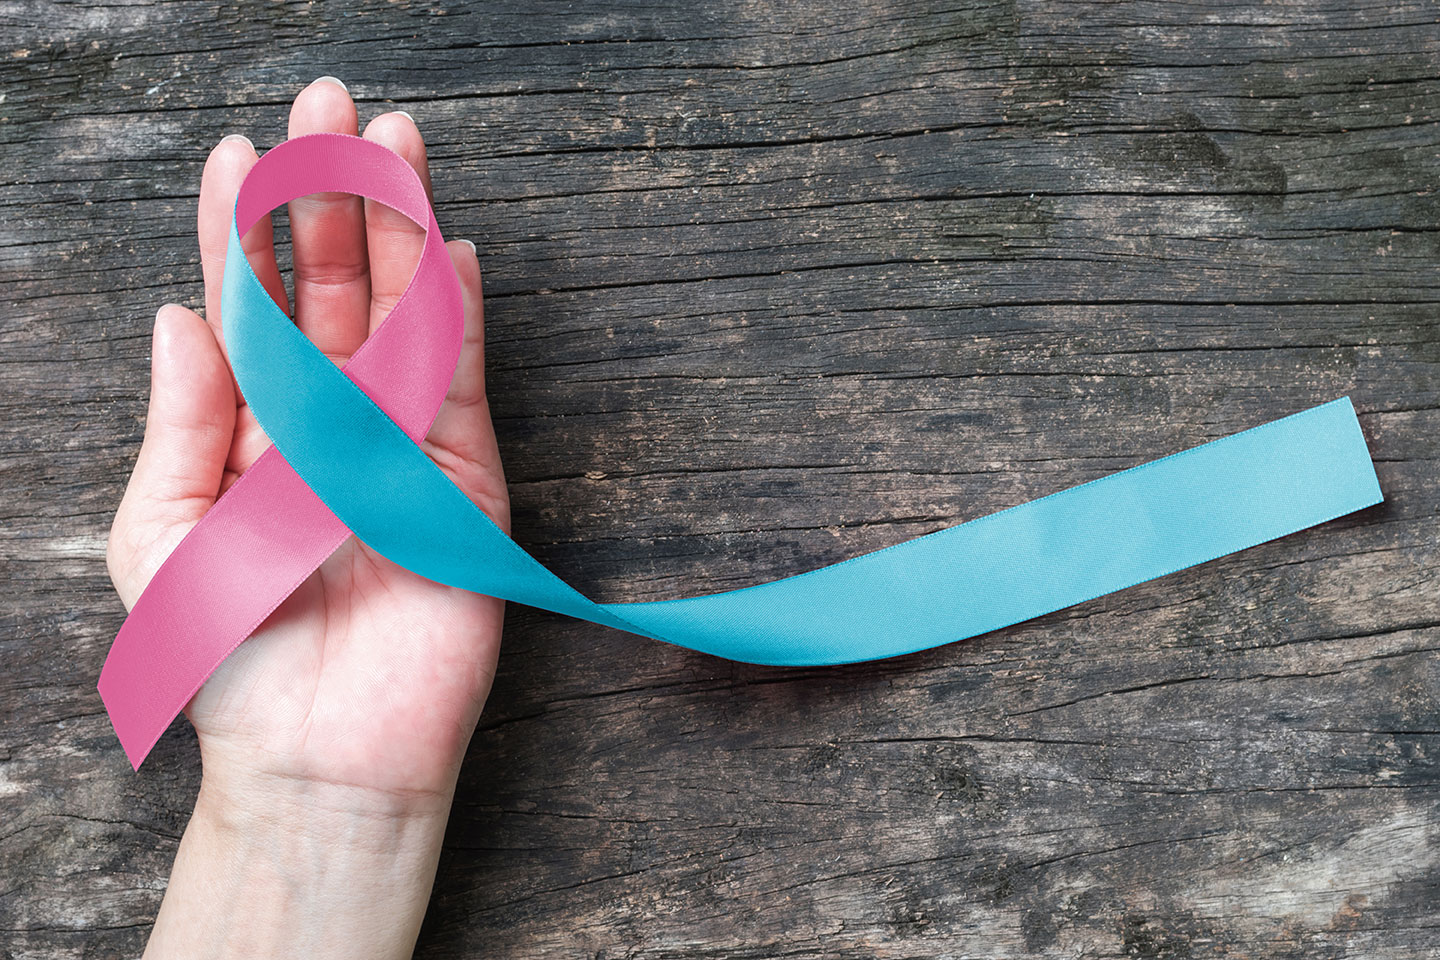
x=188 y=430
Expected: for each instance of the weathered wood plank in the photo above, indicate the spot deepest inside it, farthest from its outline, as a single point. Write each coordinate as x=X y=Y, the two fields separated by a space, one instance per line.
x=766 y=287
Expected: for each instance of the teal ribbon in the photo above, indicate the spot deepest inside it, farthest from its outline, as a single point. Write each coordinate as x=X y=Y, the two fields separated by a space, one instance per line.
x=993 y=571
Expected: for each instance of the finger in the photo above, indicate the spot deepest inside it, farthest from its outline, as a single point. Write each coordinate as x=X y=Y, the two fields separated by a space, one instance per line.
x=250 y=441
x=394 y=240
x=231 y=159
x=467 y=387
x=332 y=271
x=462 y=439
x=187 y=438
x=227 y=166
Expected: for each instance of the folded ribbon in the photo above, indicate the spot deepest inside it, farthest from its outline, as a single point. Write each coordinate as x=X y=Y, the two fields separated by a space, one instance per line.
x=345 y=460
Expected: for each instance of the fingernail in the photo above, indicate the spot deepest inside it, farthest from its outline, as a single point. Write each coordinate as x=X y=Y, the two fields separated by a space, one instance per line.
x=406 y=116
x=468 y=243
x=238 y=137
x=159 y=332
x=164 y=307
x=335 y=80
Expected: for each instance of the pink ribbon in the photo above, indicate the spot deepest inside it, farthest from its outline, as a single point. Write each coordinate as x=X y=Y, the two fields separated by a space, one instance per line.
x=269 y=531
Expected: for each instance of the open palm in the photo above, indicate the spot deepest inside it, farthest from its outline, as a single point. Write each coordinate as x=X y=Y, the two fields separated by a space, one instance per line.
x=368 y=676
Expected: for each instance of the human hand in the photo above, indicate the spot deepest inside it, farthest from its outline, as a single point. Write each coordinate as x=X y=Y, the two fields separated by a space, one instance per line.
x=331 y=739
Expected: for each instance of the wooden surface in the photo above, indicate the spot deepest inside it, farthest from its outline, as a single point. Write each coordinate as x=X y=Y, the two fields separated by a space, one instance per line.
x=770 y=285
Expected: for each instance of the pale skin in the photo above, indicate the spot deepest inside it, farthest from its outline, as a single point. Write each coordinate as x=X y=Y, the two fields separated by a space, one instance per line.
x=331 y=739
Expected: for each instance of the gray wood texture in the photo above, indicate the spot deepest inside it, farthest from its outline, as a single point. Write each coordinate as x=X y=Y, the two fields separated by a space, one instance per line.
x=770 y=285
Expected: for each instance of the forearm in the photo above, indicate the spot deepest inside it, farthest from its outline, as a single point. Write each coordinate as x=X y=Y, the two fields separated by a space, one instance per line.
x=299 y=869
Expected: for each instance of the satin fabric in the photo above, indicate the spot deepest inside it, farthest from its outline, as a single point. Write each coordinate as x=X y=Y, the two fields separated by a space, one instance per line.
x=346 y=460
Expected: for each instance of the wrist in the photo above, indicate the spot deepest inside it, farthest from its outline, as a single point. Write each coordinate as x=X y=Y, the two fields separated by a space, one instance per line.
x=276 y=866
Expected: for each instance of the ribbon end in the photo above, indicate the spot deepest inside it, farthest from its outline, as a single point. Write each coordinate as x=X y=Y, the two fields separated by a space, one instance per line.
x=1372 y=495
x=132 y=741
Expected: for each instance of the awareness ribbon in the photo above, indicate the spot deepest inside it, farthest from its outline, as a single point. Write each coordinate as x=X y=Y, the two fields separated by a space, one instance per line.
x=346 y=461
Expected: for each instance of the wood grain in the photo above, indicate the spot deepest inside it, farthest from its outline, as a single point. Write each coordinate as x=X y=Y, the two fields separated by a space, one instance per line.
x=768 y=286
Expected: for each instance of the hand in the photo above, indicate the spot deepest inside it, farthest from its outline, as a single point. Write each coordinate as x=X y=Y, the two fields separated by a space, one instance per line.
x=332 y=738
